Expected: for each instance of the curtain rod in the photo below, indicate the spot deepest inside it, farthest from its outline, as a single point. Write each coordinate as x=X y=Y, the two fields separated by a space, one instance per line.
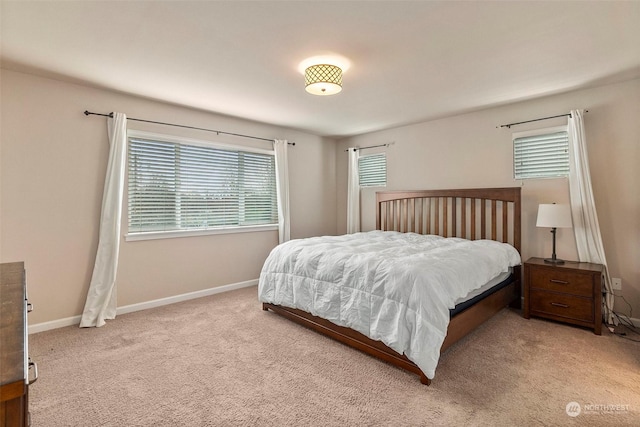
x=87 y=113
x=536 y=120
x=371 y=146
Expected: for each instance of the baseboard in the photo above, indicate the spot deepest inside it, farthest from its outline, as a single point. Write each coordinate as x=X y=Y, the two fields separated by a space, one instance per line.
x=185 y=297
x=75 y=320
x=54 y=324
x=635 y=322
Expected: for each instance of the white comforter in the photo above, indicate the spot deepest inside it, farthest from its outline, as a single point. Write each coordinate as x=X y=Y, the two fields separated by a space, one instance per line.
x=393 y=287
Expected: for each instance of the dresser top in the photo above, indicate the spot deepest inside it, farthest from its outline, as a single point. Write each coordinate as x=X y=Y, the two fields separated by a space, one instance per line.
x=12 y=322
x=573 y=265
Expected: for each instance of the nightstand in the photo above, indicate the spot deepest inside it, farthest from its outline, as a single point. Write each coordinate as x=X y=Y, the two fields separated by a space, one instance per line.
x=569 y=292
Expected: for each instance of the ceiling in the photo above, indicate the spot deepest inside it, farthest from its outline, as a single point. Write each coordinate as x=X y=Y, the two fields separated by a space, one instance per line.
x=409 y=61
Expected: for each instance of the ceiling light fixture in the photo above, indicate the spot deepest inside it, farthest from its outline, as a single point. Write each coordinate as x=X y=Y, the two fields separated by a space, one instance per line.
x=323 y=79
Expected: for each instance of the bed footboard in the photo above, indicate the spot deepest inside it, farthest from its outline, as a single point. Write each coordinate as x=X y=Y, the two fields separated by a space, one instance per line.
x=461 y=325
x=349 y=337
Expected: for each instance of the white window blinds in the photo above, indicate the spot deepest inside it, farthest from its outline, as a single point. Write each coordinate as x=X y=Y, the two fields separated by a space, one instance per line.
x=372 y=170
x=541 y=155
x=176 y=186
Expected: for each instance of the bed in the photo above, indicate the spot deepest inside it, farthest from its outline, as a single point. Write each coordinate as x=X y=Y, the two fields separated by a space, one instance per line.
x=474 y=219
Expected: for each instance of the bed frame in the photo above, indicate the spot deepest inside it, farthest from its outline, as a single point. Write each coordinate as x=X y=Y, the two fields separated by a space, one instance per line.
x=479 y=213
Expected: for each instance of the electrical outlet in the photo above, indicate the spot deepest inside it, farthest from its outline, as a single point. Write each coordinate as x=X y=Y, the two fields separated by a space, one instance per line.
x=616 y=284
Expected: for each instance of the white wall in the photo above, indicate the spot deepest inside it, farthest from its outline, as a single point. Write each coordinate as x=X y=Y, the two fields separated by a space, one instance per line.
x=469 y=151
x=53 y=162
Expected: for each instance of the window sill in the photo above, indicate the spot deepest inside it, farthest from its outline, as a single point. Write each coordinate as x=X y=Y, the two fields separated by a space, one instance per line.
x=154 y=235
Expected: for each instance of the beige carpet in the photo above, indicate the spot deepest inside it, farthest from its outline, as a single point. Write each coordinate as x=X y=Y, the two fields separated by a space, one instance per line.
x=222 y=361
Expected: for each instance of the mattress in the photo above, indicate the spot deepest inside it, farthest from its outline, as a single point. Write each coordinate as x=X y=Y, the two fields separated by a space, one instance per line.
x=492 y=286
x=393 y=287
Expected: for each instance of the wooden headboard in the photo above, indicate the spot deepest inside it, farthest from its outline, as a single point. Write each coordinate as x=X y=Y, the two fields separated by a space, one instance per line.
x=476 y=213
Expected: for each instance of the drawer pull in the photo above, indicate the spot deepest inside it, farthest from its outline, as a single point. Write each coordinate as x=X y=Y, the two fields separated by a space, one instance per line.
x=33 y=365
x=560 y=282
x=557 y=304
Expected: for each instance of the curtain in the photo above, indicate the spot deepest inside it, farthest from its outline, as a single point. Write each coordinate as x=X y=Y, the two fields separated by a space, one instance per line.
x=282 y=188
x=583 y=209
x=101 y=298
x=353 y=193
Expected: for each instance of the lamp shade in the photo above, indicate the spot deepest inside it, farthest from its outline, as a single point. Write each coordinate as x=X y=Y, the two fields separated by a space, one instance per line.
x=323 y=79
x=554 y=216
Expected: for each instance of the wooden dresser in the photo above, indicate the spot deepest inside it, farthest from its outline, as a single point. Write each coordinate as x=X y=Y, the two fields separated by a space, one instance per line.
x=569 y=292
x=14 y=359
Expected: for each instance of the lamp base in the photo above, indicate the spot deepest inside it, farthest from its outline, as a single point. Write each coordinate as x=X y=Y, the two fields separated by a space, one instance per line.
x=554 y=261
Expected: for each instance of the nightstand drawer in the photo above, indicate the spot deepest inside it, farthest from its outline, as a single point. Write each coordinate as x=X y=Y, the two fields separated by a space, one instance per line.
x=562 y=305
x=563 y=281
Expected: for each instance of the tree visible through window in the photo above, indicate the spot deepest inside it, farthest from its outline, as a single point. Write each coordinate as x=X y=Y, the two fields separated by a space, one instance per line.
x=179 y=186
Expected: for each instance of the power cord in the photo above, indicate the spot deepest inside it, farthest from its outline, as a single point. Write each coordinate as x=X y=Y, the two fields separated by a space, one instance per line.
x=625 y=321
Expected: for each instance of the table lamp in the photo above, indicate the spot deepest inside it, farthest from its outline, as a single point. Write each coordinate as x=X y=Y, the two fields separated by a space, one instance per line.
x=554 y=216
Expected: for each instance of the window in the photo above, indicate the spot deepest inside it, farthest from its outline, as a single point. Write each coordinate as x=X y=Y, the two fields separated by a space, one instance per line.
x=541 y=154
x=178 y=185
x=372 y=170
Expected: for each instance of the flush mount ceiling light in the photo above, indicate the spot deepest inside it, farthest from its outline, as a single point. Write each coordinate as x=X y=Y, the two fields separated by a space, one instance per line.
x=323 y=79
